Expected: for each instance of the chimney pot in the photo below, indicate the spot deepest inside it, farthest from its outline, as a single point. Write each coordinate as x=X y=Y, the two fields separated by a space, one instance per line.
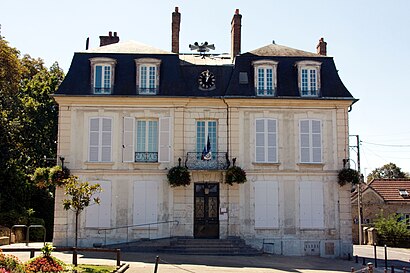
x=237 y=11
x=175 y=28
x=108 y=40
x=322 y=47
x=110 y=34
x=115 y=34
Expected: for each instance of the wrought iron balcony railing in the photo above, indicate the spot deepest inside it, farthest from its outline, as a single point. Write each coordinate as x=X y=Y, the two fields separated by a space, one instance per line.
x=147 y=91
x=146 y=157
x=102 y=90
x=218 y=161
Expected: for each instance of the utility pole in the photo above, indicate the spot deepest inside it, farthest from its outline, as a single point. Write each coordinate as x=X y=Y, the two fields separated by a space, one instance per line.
x=359 y=190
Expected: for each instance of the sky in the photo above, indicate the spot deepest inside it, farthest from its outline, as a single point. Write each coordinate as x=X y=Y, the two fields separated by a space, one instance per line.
x=369 y=40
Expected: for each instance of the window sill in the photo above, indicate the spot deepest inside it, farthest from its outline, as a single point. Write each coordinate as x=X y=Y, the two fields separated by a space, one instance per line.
x=93 y=165
x=266 y=165
x=267 y=228
x=311 y=166
x=145 y=165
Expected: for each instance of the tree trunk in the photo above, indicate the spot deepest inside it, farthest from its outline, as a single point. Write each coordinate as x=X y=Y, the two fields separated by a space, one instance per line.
x=76 y=228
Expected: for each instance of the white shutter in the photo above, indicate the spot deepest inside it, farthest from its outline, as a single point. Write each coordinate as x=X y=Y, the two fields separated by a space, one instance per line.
x=260 y=140
x=99 y=215
x=266 y=204
x=317 y=205
x=164 y=151
x=94 y=139
x=271 y=141
x=305 y=207
x=304 y=127
x=311 y=204
x=316 y=141
x=152 y=202
x=106 y=139
x=139 y=203
x=128 y=152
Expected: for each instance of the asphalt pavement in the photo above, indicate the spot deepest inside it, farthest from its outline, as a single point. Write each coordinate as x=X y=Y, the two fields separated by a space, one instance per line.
x=168 y=263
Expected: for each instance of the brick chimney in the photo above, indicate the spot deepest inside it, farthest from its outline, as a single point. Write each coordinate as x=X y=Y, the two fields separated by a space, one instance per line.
x=236 y=34
x=176 y=25
x=321 y=47
x=110 y=39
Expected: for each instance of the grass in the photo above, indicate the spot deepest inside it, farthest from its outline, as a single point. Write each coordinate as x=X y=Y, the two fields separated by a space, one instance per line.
x=88 y=268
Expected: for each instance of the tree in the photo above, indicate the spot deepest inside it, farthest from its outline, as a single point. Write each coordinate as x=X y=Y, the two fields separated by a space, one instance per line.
x=388 y=171
x=81 y=196
x=392 y=229
x=28 y=133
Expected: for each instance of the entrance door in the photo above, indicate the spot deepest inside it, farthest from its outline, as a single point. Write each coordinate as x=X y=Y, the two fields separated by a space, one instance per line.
x=206 y=220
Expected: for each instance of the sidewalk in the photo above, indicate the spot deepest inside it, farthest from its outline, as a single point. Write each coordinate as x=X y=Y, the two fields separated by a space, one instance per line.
x=145 y=262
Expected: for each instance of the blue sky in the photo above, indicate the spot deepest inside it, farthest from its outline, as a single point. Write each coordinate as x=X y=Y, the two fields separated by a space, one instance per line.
x=369 y=41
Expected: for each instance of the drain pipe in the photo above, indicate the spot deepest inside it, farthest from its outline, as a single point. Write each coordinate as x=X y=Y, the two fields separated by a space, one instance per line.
x=227 y=157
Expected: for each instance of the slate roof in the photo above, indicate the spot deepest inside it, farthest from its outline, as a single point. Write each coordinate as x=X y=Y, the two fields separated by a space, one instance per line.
x=179 y=73
x=388 y=189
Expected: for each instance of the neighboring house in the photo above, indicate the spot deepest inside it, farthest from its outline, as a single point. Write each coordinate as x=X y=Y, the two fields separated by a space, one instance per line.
x=381 y=197
x=128 y=112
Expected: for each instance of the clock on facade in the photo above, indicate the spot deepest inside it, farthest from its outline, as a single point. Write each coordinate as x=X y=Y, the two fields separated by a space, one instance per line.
x=206 y=80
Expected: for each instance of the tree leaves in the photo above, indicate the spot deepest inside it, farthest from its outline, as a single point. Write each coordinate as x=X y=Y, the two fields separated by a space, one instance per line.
x=387 y=171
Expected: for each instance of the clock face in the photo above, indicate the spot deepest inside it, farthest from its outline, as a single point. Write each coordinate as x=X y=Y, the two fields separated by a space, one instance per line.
x=206 y=80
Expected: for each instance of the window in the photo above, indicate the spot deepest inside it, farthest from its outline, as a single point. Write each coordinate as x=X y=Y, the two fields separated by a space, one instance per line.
x=403 y=193
x=99 y=215
x=266 y=204
x=100 y=139
x=206 y=135
x=405 y=218
x=145 y=202
x=147 y=76
x=102 y=75
x=150 y=137
x=309 y=78
x=311 y=206
x=147 y=141
x=310 y=141
x=265 y=77
x=266 y=141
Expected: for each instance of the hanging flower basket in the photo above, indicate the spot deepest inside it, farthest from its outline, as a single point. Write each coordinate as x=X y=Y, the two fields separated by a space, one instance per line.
x=179 y=176
x=235 y=174
x=58 y=175
x=348 y=176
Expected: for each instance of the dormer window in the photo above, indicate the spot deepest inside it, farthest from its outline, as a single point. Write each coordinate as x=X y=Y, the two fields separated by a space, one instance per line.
x=102 y=75
x=265 y=77
x=147 y=76
x=404 y=193
x=309 y=78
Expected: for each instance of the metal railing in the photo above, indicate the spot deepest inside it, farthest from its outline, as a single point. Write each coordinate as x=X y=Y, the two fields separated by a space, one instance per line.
x=149 y=225
x=146 y=156
x=219 y=161
x=28 y=232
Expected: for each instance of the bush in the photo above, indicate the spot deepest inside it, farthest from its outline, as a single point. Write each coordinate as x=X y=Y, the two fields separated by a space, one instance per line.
x=391 y=230
x=10 y=264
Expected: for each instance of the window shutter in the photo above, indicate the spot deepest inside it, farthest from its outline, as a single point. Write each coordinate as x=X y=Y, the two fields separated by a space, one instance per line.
x=304 y=127
x=316 y=141
x=266 y=204
x=260 y=140
x=152 y=209
x=99 y=215
x=94 y=139
x=139 y=203
x=317 y=205
x=305 y=206
x=271 y=141
x=260 y=204
x=128 y=152
x=164 y=151
x=106 y=139
x=311 y=204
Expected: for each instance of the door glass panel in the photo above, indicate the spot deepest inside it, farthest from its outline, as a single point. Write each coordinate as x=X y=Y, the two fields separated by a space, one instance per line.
x=199 y=207
x=212 y=207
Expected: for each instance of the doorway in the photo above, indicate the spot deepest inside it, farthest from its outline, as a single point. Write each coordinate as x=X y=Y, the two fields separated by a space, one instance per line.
x=206 y=210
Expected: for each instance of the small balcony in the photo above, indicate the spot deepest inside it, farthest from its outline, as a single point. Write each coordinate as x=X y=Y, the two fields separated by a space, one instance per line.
x=146 y=157
x=218 y=161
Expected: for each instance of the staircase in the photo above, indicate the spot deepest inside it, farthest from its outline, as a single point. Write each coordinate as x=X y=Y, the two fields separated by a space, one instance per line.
x=184 y=246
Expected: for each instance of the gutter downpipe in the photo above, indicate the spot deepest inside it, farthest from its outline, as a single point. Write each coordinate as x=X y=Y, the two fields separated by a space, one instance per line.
x=227 y=155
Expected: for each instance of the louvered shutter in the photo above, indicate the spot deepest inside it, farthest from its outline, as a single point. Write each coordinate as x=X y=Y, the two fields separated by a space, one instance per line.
x=128 y=140
x=271 y=141
x=317 y=205
x=305 y=205
x=106 y=139
x=304 y=141
x=316 y=141
x=260 y=204
x=145 y=202
x=152 y=202
x=140 y=199
x=260 y=140
x=164 y=152
x=94 y=139
x=266 y=204
x=104 y=208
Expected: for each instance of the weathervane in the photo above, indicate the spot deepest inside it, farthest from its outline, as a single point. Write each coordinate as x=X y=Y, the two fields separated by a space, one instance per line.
x=203 y=48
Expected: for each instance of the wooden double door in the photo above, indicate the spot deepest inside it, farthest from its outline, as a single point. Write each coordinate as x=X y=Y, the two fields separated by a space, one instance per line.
x=206 y=210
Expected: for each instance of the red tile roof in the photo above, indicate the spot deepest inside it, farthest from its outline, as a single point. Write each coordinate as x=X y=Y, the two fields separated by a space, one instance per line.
x=388 y=189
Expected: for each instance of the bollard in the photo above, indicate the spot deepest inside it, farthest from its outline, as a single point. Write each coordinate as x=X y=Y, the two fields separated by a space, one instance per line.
x=348 y=257
x=370 y=267
x=364 y=261
x=156 y=264
x=118 y=257
x=375 y=255
x=31 y=254
x=385 y=270
x=357 y=259
x=352 y=269
x=404 y=270
x=385 y=256
x=392 y=269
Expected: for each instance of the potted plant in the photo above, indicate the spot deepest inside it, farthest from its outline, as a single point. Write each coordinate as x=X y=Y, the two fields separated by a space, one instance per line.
x=235 y=174
x=179 y=176
x=347 y=175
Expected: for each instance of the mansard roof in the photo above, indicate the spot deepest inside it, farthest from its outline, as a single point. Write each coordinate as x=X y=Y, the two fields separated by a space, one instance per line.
x=179 y=72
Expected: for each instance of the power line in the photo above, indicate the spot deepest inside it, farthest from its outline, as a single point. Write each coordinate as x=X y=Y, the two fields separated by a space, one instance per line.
x=386 y=145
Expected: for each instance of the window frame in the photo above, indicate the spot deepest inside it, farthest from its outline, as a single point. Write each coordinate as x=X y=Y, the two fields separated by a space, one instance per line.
x=309 y=66
x=265 y=65
x=311 y=141
x=147 y=139
x=266 y=135
x=214 y=143
x=147 y=63
x=103 y=63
